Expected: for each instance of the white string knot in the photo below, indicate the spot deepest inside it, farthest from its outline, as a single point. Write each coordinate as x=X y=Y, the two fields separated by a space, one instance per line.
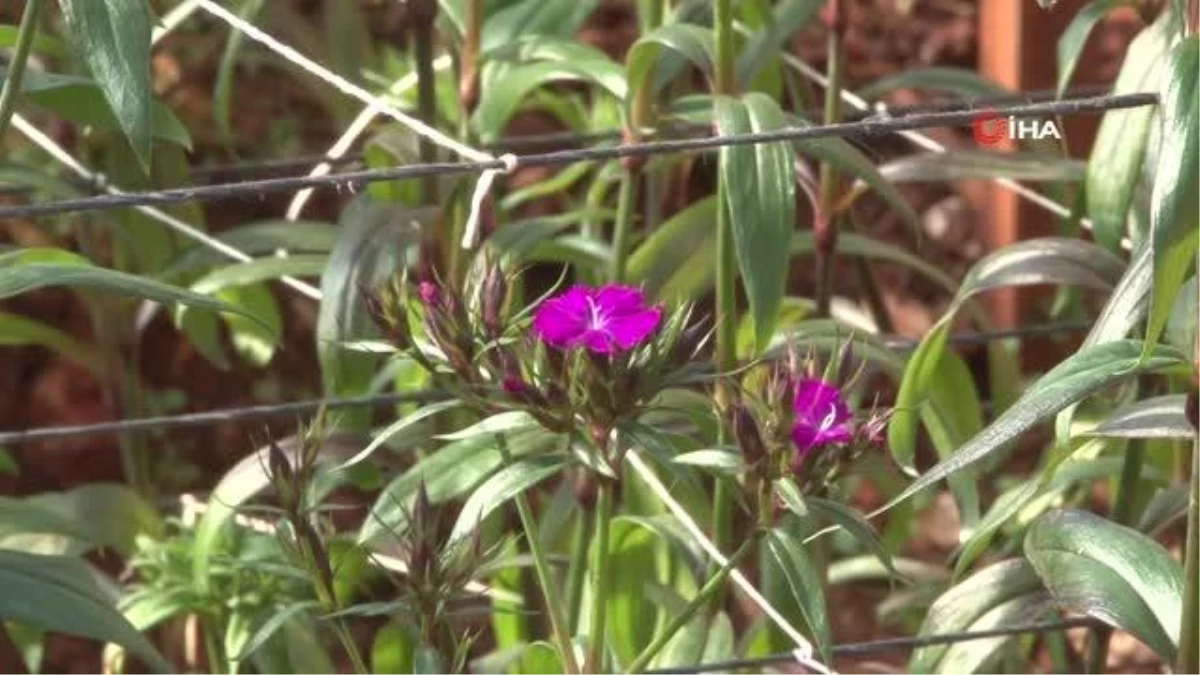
x=482 y=187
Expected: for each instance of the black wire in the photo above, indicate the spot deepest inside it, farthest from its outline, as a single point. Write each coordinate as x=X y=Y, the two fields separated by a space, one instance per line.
x=871 y=126
x=963 y=338
x=254 y=412
x=888 y=645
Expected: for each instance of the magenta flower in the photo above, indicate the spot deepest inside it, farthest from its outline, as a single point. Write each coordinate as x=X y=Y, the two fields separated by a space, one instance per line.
x=822 y=417
x=606 y=320
x=429 y=293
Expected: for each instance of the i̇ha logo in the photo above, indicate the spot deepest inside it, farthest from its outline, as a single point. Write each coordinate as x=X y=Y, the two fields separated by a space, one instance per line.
x=990 y=129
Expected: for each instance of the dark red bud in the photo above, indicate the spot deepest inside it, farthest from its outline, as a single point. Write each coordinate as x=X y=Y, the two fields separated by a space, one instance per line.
x=1191 y=408
x=494 y=291
x=745 y=431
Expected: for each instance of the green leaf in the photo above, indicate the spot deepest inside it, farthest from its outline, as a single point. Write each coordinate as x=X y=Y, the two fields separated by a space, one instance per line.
x=974 y=655
x=373 y=240
x=938 y=167
x=257 y=238
x=961 y=81
x=1115 y=164
x=855 y=524
x=790 y=558
x=540 y=657
x=113 y=39
x=112 y=515
x=963 y=604
x=1051 y=260
x=1165 y=507
x=260 y=269
x=1080 y=375
x=761 y=190
x=31 y=269
x=398 y=426
x=1174 y=216
x=677 y=249
x=647 y=71
x=270 y=627
x=1073 y=39
x=1158 y=417
x=1184 y=323
x=43 y=43
x=222 y=94
x=449 y=472
x=80 y=100
x=715 y=460
x=635 y=565
x=504 y=485
x=1110 y=572
x=19 y=331
x=60 y=594
x=787 y=17
x=533 y=17
x=852 y=162
x=505 y=86
x=253 y=342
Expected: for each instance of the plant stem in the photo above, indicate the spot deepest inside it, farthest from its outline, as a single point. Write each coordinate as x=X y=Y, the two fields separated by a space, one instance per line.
x=826 y=223
x=1122 y=508
x=422 y=32
x=708 y=590
x=866 y=277
x=351 y=648
x=596 y=625
x=16 y=67
x=576 y=572
x=622 y=226
x=558 y=622
x=1189 y=627
x=726 y=289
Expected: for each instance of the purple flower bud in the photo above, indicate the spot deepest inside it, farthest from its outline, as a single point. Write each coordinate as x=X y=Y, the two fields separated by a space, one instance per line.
x=429 y=293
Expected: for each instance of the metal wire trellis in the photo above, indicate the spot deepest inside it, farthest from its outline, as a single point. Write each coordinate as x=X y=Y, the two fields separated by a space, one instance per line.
x=876 y=122
x=887 y=645
x=268 y=411
x=871 y=126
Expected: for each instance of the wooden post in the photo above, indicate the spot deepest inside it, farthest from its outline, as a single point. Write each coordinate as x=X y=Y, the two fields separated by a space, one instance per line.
x=1017 y=49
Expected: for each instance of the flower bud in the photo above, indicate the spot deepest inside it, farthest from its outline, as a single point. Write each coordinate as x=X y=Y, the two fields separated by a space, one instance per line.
x=745 y=431
x=493 y=292
x=1192 y=402
x=845 y=362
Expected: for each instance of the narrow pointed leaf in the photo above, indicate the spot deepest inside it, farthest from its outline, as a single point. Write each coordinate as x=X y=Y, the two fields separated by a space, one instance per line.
x=761 y=191
x=1174 y=213
x=1110 y=572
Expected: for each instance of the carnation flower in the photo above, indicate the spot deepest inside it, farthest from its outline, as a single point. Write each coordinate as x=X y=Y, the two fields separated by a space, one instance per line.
x=821 y=416
x=606 y=320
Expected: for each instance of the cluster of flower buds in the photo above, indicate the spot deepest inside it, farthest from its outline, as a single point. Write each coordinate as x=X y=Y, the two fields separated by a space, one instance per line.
x=439 y=569
x=794 y=421
x=443 y=327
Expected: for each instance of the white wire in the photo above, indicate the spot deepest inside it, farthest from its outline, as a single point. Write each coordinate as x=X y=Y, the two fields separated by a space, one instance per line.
x=182 y=227
x=178 y=14
x=347 y=87
x=804 y=649
x=342 y=84
x=349 y=137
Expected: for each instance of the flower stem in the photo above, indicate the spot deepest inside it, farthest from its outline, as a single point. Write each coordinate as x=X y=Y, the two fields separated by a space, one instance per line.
x=622 y=226
x=726 y=289
x=826 y=223
x=422 y=32
x=595 y=656
x=1189 y=626
x=576 y=572
x=707 y=591
x=558 y=622
x=1122 y=512
x=348 y=644
x=16 y=66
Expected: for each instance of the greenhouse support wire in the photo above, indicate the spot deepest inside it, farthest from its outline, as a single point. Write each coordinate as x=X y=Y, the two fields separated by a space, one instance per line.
x=886 y=645
x=267 y=411
x=342 y=157
x=869 y=126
